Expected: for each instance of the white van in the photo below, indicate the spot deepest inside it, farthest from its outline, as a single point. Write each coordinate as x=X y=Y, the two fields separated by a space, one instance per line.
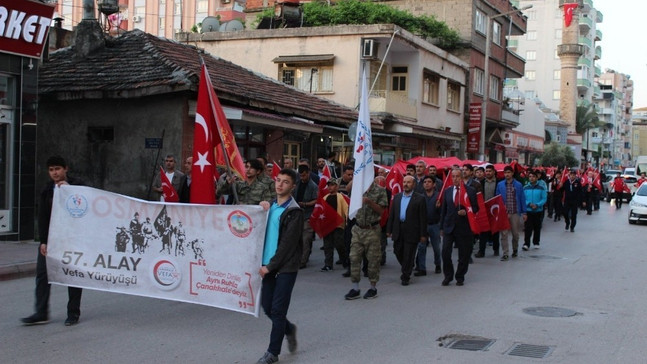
x=641 y=165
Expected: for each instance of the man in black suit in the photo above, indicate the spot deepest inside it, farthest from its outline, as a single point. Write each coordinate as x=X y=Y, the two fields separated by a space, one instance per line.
x=455 y=228
x=407 y=225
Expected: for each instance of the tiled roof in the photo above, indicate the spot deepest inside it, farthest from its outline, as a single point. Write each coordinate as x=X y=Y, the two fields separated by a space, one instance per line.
x=139 y=64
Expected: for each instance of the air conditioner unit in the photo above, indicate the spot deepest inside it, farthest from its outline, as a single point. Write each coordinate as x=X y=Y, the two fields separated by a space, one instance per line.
x=137 y=19
x=369 y=48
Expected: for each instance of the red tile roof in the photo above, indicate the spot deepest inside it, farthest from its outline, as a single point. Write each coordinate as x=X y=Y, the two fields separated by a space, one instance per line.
x=139 y=64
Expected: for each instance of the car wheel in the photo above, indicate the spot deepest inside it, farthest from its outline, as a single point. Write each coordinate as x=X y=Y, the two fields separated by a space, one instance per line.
x=632 y=222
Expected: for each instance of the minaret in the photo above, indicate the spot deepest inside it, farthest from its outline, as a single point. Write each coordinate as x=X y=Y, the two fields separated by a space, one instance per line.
x=569 y=52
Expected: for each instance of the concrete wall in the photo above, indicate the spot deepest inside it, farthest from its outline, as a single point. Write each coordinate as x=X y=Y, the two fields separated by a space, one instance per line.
x=124 y=165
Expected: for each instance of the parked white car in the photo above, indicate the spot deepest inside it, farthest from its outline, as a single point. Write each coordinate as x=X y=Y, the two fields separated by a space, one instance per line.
x=638 y=205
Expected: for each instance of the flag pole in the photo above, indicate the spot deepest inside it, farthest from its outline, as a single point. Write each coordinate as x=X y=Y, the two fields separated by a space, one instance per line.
x=222 y=141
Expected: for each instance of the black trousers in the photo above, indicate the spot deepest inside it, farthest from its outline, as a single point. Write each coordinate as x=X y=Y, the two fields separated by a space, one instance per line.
x=43 y=289
x=570 y=214
x=463 y=238
x=486 y=236
x=405 y=252
x=532 y=227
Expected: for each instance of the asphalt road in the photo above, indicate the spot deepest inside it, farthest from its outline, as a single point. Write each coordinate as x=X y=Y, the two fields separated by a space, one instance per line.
x=596 y=274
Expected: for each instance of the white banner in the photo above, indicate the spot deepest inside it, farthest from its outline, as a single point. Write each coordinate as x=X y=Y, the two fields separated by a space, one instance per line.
x=205 y=254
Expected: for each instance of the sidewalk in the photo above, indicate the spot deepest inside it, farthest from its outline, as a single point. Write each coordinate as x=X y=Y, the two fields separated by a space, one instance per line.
x=17 y=259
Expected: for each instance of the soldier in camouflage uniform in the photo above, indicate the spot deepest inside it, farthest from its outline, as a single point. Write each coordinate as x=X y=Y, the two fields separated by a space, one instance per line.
x=252 y=191
x=366 y=240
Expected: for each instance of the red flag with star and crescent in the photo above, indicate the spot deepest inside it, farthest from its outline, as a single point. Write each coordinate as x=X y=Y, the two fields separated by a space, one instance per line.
x=497 y=214
x=323 y=181
x=203 y=171
x=394 y=181
x=324 y=219
x=568 y=13
x=169 y=193
x=467 y=203
x=275 y=170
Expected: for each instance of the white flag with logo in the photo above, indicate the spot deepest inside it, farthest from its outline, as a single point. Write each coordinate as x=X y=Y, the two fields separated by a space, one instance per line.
x=363 y=173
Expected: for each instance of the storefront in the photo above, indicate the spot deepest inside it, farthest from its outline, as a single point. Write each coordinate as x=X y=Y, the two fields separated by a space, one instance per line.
x=26 y=25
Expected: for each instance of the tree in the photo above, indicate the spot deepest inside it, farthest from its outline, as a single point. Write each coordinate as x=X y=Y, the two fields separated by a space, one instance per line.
x=556 y=155
x=586 y=118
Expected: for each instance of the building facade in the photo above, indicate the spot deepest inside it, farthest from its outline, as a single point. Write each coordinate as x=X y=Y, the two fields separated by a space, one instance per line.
x=21 y=49
x=615 y=108
x=417 y=89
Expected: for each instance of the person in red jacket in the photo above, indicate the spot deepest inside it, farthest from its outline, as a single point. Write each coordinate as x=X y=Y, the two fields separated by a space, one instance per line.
x=619 y=186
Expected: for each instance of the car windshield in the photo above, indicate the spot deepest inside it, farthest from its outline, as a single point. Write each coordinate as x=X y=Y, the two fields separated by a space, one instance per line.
x=629 y=179
x=642 y=191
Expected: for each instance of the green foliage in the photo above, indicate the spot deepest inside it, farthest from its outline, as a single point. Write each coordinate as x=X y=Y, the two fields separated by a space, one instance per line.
x=196 y=28
x=557 y=155
x=318 y=13
x=586 y=118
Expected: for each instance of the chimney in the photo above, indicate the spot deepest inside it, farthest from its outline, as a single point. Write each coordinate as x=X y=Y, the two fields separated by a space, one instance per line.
x=88 y=35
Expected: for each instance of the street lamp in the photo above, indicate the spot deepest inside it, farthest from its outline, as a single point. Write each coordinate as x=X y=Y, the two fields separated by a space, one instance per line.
x=486 y=71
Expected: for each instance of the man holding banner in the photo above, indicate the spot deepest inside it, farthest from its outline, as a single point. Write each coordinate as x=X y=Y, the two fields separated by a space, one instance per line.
x=57 y=169
x=281 y=258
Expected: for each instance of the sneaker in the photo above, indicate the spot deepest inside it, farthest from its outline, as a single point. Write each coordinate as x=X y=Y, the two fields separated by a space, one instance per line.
x=496 y=253
x=566 y=228
x=572 y=229
x=292 y=339
x=353 y=294
x=504 y=258
x=371 y=293
x=71 y=321
x=346 y=273
x=34 y=320
x=536 y=246
x=326 y=268
x=268 y=358
x=420 y=273
x=514 y=253
x=438 y=270
x=525 y=248
x=479 y=255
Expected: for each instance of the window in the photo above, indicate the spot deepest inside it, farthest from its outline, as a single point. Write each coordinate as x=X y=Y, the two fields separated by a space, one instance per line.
x=531 y=55
x=313 y=78
x=292 y=151
x=530 y=75
x=453 y=96
x=203 y=6
x=556 y=54
x=531 y=14
x=479 y=22
x=162 y=22
x=531 y=35
x=496 y=33
x=557 y=74
x=399 y=78
x=479 y=81
x=430 y=88
x=177 y=8
x=556 y=94
x=140 y=11
x=380 y=80
x=495 y=86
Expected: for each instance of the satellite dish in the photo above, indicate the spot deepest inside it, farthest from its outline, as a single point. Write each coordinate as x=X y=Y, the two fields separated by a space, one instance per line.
x=232 y=25
x=210 y=24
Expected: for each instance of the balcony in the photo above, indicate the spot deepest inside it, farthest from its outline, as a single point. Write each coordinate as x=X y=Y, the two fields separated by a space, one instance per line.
x=587 y=5
x=596 y=92
x=599 y=18
x=513 y=43
x=510 y=82
x=598 y=35
x=583 y=61
x=598 y=71
x=583 y=84
x=586 y=41
x=598 y=52
x=606 y=111
x=585 y=24
x=393 y=103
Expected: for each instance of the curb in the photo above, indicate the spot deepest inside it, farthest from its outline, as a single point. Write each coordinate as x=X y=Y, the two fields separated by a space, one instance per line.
x=19 y=270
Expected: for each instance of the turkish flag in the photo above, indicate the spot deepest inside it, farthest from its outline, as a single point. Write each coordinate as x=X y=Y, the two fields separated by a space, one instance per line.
x=222 y=135
x=482 y=220
x=324 y=218
x=203 y=171
x=394 y=180
x=275 y=170
x=585 y=180
x=564 y=177
x=323 y=181
x=446 y=184
x=170 y=195
x=497 y=215
x=467 y=204
x=568 y=13
x=596 y=182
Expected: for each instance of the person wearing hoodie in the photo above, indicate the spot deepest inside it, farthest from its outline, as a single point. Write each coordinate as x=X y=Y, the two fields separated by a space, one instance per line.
x=536 y=196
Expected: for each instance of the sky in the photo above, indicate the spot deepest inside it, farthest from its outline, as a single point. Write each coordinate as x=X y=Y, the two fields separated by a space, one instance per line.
x=623 y=29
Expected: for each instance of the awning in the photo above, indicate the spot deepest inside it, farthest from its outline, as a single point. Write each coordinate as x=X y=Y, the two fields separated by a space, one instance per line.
x=313 y=58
